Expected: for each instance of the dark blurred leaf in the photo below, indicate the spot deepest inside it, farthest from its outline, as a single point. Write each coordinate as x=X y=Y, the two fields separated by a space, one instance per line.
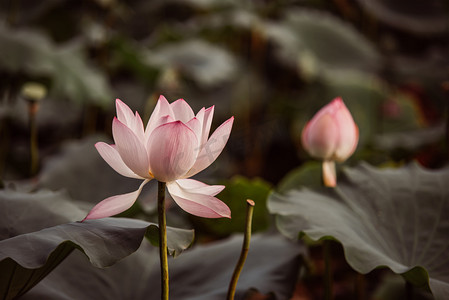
x=392 y=287
x=34 y=54
x=209 y=4
x=202 y=273
x=308 y=175
x=415 y=16
x=33 y=11
x=203 y=62
x=237 y=190
x=425 y=71
x=391 y=217
x=130 y=55
x=324 y=46
x=29 y=251
x=410 y=140
x=81 y=171
x=399 y=112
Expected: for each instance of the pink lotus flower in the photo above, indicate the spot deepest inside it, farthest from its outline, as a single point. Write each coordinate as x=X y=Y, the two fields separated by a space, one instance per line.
x=173 y=147
x=332 y=136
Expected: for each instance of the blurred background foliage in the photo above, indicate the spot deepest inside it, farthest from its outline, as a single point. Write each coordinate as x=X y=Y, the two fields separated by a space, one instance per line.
x=271 y=64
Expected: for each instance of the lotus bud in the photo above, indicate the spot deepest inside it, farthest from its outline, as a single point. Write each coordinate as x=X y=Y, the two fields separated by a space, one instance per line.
x=331 y=136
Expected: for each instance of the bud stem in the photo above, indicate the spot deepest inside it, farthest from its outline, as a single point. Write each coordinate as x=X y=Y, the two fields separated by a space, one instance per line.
x=329 y=173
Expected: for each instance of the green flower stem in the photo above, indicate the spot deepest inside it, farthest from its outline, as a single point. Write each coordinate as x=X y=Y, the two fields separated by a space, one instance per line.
x=162 y=239
x=327 y=270
x=245 y=249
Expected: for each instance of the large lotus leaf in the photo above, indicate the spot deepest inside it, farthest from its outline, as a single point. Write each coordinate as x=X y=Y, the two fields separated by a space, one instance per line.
x=383 y=217
x=33 y=53
x=30 y=248
x=419 y=17
x=237 y=190
x=271 y=267
x=201 y=273
x=75 y=278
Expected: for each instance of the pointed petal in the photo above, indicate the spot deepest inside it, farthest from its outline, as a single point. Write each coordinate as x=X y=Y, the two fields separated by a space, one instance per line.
x=208 y=116
x=200 y=116
x=124 y=113
x=329 y=174
x=172 y=150
x=112 y=157
x=198 y=204
x=195 y=186
x=126 y=116
x=183 y=112
x=138 y=127
x=212 y=148
x=115 y=204
x=130 y=148
x=196 y=127
x=162 y=109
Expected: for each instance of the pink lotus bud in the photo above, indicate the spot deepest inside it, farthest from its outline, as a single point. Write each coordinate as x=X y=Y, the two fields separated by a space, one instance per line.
x=331 y=136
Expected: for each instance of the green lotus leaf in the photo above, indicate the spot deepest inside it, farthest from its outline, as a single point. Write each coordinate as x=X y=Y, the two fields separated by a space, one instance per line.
x=36 y=235
x=395 y=218
x=201 y=273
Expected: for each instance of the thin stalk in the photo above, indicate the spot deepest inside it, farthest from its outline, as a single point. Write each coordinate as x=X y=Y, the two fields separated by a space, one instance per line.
x=360 y=286
x=327 y=271
x=34 y=150
x=162 y=239
x=245 y=249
